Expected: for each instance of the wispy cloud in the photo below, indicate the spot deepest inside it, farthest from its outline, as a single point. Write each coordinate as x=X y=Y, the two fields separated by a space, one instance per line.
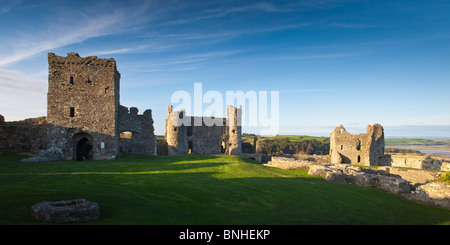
x=21 y=95
x=190 y=59
x=66 y=28
x=322 y=56
x=7 y=6
x=260 y=7
x=223 y=9
x=352 y=25
x=13 y=81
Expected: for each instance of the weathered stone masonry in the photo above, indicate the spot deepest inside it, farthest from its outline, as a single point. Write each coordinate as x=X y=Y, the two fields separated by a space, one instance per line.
x=214 y=136
x=363 y=149
x=84 y=115
x=142 y=140
x=25 y=135
x=82 y=107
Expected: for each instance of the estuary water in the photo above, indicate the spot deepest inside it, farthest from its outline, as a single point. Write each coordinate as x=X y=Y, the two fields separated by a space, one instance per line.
x=435 y=150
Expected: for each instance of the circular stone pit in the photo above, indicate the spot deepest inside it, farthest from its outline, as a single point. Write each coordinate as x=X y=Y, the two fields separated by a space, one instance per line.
x=77 y=210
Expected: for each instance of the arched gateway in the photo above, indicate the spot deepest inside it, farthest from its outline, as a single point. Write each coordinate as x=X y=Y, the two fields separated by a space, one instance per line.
x=82 y=143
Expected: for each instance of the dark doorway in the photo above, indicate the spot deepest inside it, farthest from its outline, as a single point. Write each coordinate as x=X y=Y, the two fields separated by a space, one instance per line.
x=83 y=150
x=190 y=147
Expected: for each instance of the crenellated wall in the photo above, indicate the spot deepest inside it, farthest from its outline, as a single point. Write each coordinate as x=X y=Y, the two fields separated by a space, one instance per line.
x=142 y=140
x=83 y=99
x=364 y=149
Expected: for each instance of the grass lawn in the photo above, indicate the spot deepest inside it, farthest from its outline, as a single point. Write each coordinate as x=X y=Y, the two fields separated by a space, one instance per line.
x=201 y=190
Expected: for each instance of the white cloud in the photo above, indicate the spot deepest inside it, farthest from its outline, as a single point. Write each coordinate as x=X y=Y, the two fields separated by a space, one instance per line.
x=64 y=28
x=263 y=7
x=21 y=95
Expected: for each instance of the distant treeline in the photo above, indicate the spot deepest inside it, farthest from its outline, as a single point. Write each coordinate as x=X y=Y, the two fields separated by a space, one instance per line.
x=279 y=146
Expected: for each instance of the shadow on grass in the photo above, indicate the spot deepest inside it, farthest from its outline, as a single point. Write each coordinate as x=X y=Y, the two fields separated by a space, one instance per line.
x=201 y=190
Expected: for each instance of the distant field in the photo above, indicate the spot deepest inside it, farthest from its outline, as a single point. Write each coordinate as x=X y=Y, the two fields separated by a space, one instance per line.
x=407 y=141
x=291 y=138
x=208 y=190
x=388 y=141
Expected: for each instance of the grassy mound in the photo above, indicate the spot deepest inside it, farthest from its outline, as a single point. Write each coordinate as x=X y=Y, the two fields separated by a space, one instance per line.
x=195 y=190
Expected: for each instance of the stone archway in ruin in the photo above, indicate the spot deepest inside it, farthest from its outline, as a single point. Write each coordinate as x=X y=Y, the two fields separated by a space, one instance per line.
x=82 y=149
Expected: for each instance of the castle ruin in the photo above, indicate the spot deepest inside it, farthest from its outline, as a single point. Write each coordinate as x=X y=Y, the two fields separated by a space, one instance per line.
x=84 y=115
x=204 y=135
x=362 y=149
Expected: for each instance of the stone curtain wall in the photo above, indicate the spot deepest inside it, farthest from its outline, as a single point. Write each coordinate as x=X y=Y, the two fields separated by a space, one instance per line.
x=143 y=140
x=290 y=163
x=416 y=161
x=25 y=135
x=206 y=140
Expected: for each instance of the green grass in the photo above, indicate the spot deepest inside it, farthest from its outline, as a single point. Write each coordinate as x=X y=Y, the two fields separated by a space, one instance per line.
x=138 y=189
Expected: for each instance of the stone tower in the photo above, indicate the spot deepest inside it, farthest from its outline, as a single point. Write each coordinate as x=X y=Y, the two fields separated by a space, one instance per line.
x=362 y=149
x=176 y=133
x=82 y=107
x=234 y=116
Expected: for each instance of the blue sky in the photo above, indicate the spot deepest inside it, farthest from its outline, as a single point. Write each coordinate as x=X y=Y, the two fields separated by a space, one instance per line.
x=334 y=62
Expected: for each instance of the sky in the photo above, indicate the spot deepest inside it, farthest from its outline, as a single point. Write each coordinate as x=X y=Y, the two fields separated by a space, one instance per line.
x=333 y=62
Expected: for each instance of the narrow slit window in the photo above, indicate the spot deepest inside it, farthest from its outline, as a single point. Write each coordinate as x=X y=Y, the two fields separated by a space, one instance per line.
x=71 y=80
x=72 y=112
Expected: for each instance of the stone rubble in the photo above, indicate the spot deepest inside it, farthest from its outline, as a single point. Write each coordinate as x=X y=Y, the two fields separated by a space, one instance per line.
x=66 y=211
x=415 y=185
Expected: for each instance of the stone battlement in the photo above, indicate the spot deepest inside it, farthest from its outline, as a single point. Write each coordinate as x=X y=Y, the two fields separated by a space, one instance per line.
x=75 y=59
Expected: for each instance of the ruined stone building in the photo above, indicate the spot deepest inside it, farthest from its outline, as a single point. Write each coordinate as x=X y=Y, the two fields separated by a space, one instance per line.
x=214 y=136
x=362 y=149
x=24 y=135
x=84 y=115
